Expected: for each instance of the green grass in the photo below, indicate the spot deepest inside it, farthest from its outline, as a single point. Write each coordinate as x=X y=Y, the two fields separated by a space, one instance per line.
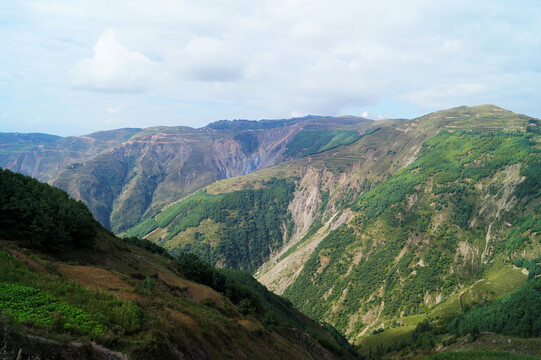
x=30 y=305
x=501 y=279
x=479 y=355
x=386 y=338
x=37 y=298
x=497 y=280
x=412 y=319
x=143 y=228
x=312 y=142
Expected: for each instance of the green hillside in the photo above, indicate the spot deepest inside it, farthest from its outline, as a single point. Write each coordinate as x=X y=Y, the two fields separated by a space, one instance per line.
x=418 y=220
x=517 y=314
x=15 y=143
x=126 y=175
x=313 y=142
x=42 y=216
x=246 y=225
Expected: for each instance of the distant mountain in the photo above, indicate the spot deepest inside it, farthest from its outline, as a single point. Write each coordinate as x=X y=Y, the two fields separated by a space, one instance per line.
x=127 y=175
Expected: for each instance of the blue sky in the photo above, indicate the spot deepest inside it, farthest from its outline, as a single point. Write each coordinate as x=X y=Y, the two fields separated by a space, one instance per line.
x=74 y=67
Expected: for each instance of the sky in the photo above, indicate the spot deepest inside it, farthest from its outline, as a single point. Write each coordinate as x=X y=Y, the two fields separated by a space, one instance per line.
x=75 y=67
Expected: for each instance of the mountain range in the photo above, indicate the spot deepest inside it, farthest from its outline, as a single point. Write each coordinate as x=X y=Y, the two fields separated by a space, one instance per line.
x=374 y=227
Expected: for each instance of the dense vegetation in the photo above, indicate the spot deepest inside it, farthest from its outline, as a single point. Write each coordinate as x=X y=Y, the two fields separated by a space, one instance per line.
x=252 y=224
x=27 y=304
x=439 y=183
x=453 y=159
x=309 y=142
x=43 y=216
x=195 y=269
x=516 y=314
x=50 y=302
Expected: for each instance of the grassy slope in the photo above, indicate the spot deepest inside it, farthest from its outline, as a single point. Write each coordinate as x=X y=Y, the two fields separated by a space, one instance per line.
x=496 y=281
x=386 y=212
x=149 y=167
x=81 y=283
x=104 y=294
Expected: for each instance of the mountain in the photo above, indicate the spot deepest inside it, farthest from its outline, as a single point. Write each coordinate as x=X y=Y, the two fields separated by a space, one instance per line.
x=72 y=290
x=414 y=219
x=127 y=175
x=377 y=228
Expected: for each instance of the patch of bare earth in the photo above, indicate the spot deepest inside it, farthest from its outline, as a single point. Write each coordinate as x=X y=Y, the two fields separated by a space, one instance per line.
x=196 y=292
x=93 y=277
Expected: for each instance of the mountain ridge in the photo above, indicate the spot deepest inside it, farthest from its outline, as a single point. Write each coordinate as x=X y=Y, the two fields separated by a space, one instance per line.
x=158 y=163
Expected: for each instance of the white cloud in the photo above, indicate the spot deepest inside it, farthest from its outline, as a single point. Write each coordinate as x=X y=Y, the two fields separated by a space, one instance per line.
x=113 y=68
x=207 y=59
x=179 y=62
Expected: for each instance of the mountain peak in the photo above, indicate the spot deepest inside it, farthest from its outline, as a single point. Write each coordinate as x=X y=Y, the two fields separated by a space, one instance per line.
x=483 y=118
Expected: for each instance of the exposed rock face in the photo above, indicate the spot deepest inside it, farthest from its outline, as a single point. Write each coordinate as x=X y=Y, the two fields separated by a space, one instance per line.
x=124 y=183
x=304 y=206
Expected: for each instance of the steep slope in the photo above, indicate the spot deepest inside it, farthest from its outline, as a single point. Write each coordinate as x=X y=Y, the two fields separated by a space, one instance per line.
x=405 y=221
x=511 y=324
x=100 y=297
x=127 y=175
x=424 y=233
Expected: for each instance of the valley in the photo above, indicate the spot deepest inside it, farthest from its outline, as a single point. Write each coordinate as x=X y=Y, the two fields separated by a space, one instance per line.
x=373 y=227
